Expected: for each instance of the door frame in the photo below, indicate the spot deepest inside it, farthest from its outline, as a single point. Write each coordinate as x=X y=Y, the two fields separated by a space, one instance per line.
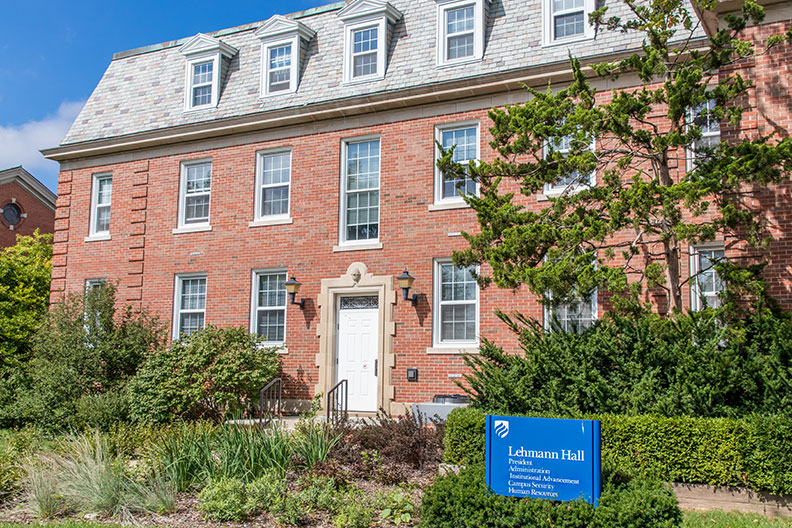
x=356 y=281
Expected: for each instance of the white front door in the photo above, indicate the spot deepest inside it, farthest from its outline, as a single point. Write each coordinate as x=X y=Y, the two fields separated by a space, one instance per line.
x=356 y=353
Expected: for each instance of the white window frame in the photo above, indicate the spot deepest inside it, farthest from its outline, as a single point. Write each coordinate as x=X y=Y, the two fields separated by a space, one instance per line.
x=695 y=295
x=93 y=284
x=177 y=295
x=438 y=179
x=549 y=310
x=254 y=306
x=480 y=19
x=259 y=218
x=294 y=70
x=93 y=234
x=342 y=240
x=215 y=59
x=705 y=134
x=551 y=190
x=548 y=25
x=184 y=227
x=437 y=310
x=379 y=22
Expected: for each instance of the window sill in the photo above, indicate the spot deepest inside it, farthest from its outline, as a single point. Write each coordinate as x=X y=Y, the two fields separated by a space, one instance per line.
x=444 y=65
x=357 y=247
x=565 y=42
x=199 y=108
x=280 y=348
x=445 y=206
x=98 y=238
x=192 y=229
x=363 y=80
x=455 y=351
x=271 y=222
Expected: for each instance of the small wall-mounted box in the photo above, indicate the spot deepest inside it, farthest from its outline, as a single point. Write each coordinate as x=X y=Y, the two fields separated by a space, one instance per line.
x=412 y=374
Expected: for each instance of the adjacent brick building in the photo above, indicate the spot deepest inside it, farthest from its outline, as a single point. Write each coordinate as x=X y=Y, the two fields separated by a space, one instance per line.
x=203 y=173
x=25 y=205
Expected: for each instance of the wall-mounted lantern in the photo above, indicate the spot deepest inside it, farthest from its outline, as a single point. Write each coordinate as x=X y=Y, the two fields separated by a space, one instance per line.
x=405 y=283
x=293 y=288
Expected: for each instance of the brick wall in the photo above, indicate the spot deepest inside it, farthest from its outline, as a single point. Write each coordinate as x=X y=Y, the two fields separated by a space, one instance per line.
x=38 y=215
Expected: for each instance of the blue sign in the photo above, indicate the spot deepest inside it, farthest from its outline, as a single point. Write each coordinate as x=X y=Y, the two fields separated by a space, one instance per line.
x=543 y=458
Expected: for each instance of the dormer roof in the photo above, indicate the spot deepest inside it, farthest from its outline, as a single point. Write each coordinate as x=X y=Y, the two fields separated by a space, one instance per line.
x=278 y=26
x=367 y=8
x=202 y=43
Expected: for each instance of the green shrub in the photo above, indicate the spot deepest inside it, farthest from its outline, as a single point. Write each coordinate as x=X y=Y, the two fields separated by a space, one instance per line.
x=752 y=452
x=460 y=501
x=83 y=356
x=265 y=493
x=692 y=365
x=223 y=500
x=215 y=372
x=464 y=436
x=353 y=513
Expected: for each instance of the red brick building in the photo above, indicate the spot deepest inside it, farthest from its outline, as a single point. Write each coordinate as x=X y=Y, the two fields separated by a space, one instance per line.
x=205 y=172
x=25 y=205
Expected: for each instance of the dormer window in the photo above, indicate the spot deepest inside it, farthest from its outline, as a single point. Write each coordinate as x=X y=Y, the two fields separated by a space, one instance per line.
x=283 y=44
x=567 y=21
x=206 y=60
x=460 y=30
x=368 y=25
x=201 y=88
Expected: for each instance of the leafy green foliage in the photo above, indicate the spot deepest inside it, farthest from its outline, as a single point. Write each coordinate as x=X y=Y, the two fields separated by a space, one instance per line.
x=84 y=355
x=750 y=452
x=223 y=500
x=459 y=501
x=215 y=372
x=399 y=509
x=628 y=231
x=464 y=436
x=681 y=365
x=25 y=270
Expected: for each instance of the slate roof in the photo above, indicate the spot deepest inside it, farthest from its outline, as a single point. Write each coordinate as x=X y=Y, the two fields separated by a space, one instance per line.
x=143 y=90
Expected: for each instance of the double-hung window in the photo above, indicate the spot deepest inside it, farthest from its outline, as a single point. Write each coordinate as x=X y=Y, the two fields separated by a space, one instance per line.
x=703 y=117
x=706 y=285
x=460 y=30
x=189 y=305
x=567 y=20
x=195 y=194
x=101 y=197
x=465 y=139
x=269 y=306
x=361 y=190
x=94 y=284
x=272 y=185
x=365 y=43
x=279 y=68
x=456 y=306
x=368 y=27
x=201 y=85
x=573 y=181
x=574 y=315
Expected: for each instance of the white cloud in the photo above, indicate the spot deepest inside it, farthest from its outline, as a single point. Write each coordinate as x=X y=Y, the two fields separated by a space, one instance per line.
x=20 y=145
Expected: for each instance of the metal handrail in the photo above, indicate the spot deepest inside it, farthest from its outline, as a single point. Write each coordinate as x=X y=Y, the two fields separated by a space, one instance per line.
x=270 y=401
x=338 y=402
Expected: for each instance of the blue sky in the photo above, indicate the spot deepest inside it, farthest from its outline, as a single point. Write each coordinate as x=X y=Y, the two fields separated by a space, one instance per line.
x=53 y=53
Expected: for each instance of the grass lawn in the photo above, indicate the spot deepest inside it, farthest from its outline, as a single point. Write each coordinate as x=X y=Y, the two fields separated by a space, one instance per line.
x=732 y=520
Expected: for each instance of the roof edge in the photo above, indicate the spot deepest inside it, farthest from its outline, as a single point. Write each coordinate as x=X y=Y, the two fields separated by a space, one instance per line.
x=30 y=183
x=224 y=32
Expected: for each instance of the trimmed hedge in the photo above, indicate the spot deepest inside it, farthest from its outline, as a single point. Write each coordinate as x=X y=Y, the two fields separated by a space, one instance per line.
x=752 y=452
x=681 y=365
x=462 y=501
